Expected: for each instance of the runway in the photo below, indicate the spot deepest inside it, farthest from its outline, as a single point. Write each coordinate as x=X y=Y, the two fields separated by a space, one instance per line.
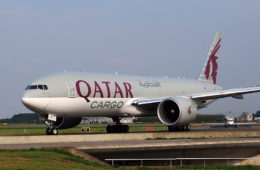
x=118 y=145
x=127 y=136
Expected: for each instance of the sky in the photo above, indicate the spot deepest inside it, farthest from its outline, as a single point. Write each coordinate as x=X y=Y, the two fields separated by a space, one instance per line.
x=148 y=37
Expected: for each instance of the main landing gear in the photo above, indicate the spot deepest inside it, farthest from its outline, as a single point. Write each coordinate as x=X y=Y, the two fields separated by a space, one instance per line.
x=118 y=127
x=179 y=128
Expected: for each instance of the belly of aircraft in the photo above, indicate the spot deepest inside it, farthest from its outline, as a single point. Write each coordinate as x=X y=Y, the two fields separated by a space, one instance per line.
x=70 y=107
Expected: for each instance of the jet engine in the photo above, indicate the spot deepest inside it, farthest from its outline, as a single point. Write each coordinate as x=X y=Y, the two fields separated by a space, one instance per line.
x=177 y=111
x=66 y=122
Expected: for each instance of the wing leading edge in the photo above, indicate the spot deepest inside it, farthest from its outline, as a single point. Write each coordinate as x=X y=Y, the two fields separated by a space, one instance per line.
x=235 y=93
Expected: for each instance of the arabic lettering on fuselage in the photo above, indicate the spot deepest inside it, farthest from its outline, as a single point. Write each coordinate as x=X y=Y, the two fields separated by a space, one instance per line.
x=148 y=84
x=103 y=89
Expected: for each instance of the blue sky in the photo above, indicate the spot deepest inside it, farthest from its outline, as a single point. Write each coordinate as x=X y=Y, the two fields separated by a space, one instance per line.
x=150 y=37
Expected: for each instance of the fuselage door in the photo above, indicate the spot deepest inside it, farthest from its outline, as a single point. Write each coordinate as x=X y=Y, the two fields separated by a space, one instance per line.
x=71 y=89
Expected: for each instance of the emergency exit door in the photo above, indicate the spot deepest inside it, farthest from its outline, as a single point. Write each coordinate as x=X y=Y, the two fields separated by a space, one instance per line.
x=71 y=89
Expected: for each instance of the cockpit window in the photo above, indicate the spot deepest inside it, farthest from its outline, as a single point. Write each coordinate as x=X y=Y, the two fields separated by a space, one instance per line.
x=40 y=87
x=45 y=87
x=34 y=87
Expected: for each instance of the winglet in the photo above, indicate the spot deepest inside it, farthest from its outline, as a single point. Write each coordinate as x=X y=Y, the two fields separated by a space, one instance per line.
x=210 y=68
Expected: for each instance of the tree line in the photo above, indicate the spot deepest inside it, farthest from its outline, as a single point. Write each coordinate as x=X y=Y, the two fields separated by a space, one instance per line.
x=29 y=118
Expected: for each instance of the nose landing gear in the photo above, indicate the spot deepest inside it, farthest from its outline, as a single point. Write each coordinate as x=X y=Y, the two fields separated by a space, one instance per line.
x=118 y=127
x=51 y=131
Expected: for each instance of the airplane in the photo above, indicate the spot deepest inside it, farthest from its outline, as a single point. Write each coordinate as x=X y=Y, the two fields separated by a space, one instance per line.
x=230 y=121
x=63 y=99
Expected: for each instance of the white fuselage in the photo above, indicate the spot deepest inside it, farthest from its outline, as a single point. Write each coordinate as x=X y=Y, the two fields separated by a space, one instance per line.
x=86 y=94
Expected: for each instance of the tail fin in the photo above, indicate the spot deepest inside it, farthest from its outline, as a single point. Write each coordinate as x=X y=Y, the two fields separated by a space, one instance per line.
x=210 y=68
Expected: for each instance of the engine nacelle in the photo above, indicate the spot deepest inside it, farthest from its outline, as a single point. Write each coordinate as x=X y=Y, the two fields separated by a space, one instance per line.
x=177 y=111
x=66 y=123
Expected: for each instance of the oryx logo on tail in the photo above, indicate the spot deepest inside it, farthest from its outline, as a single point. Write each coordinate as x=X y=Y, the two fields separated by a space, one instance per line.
x=210 y=69
x=212 y=65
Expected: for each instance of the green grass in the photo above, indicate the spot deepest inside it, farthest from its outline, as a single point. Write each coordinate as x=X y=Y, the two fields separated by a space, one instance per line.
x=30 y=129
x=59 y=159
x=44 y=159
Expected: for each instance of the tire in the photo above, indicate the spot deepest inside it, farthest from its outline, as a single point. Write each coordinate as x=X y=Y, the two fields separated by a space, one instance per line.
x=126 y=128
x=55 y=131
x=109 y=129
x=171 y=128
x=49 y=131
x=117 y=128
x=187 y=128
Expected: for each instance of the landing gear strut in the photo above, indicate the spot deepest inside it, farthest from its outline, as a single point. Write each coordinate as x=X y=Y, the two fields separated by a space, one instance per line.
x=179 y=128
x=118 y=127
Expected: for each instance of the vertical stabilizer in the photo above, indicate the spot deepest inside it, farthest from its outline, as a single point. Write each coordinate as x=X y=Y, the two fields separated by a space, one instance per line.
x=210 y=68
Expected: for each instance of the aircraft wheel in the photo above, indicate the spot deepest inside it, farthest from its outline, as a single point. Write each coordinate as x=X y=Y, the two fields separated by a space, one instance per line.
x=171 y=128
x=51 y=131
x=55 y=131
x=124 y=128
x=117 y=128
x=48 y=131
x=187 y=128
x=112 y=129
x=178 y=128
x=120 y=128
x=109 y=129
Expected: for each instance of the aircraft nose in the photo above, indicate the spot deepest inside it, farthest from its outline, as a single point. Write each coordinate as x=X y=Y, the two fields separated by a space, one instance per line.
x=25 y=99
x=33 y=104
x=36 y=104
x=27 y=102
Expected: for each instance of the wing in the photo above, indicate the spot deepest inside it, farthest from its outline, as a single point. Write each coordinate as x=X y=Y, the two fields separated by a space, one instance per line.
x=235 y=93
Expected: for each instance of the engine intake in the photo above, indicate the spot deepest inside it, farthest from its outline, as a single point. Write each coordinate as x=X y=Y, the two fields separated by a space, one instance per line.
x=178 y=111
